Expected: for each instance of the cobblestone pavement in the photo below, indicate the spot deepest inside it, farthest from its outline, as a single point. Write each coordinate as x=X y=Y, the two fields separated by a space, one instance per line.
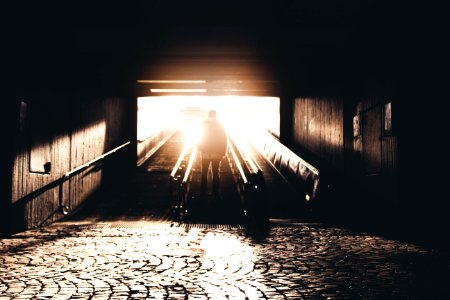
x=151 y=260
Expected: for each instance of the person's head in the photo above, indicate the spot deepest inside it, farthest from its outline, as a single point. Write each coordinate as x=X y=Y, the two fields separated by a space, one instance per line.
x=212 y=114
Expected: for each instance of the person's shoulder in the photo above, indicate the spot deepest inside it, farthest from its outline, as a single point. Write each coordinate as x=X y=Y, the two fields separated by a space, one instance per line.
x=218 y=124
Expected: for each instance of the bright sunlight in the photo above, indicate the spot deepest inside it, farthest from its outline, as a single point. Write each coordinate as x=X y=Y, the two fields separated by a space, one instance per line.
x=244 y=117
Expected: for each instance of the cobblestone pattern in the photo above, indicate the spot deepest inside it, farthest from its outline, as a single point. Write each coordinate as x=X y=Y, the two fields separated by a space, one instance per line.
x=168 y=261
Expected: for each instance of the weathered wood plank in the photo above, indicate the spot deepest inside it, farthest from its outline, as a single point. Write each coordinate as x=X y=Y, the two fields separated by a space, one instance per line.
x=96 y=126
x=319 y=127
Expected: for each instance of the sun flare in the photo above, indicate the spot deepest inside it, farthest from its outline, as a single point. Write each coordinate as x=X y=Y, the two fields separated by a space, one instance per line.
x=244 y=117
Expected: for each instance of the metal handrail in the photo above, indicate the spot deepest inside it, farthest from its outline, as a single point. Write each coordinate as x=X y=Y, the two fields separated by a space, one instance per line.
x=248 y=177
x=94 y=161
x=248 y=159
x=181 y=157
x=291 y=167
x=190 y=164
x=180 y=188
x=238 y=163
x=245 y=170
x=64 y=178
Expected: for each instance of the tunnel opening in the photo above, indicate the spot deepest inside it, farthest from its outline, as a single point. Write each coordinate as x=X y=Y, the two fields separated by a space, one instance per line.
x=243 y=116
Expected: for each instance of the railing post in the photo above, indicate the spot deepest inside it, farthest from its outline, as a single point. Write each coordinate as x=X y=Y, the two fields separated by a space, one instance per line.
x=65 y=209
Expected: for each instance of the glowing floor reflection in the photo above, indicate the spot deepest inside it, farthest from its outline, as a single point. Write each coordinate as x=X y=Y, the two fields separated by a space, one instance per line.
x=145 y=260
x=221 y=264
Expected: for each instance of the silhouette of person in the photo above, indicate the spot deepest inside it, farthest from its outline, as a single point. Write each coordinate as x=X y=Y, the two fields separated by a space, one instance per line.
x=212 y=147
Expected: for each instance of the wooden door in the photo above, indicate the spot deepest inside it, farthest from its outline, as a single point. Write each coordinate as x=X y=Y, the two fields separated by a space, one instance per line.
x=371 y=141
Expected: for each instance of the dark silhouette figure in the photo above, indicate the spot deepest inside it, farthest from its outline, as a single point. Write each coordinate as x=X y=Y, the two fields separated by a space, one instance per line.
x=212 y=146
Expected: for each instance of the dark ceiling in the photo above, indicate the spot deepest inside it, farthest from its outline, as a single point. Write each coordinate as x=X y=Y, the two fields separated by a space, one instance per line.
x=301 y=44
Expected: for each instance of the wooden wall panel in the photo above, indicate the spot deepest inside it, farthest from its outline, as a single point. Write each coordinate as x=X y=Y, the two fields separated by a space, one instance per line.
x=97 y=132
x=96 y=126
x=319 y=128
x=87 y=143
x=367 y=164
x=24 y=181
x=389 y=162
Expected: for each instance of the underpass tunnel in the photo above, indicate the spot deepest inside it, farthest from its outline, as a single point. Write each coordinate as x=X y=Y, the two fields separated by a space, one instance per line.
x=333 y=184
x=241 y=115
x=248 y=121
x=89 y=102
